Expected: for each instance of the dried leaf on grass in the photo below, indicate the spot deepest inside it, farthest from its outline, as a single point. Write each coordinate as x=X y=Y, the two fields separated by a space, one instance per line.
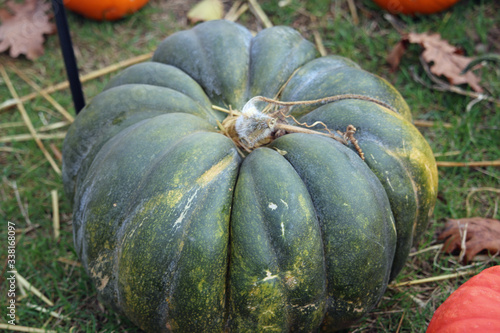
x=397 y=52
x=206 y=10
x=447 y=59
x=23 y=27
x=471 y=236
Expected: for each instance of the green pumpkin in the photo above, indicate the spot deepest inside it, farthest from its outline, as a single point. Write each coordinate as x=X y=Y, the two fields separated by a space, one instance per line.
x=181 y=229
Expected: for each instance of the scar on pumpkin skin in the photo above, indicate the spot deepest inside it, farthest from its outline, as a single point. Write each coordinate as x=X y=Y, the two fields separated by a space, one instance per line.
x=97 y=274
x=214 y=171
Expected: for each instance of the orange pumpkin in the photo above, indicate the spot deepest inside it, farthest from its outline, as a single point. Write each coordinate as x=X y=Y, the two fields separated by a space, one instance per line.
x=411 y=7
x=473 y=308
x=104 y=9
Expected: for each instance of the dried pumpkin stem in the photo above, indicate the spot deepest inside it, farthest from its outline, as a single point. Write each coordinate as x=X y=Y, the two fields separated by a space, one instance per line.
x=305 y=124
x=252 y=128
x=295 y=129
x=349 y=135
x=218 y=108
x=328 y=99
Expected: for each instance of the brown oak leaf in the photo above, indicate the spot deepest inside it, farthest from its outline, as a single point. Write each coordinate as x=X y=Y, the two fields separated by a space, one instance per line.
x=471 y=236
x=23 y=27
x=446 y=58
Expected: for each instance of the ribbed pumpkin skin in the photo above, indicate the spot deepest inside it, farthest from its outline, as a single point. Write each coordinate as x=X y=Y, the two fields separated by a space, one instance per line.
x=180 y=233
x=473 y=308
x=104 y=9
x=411 y=7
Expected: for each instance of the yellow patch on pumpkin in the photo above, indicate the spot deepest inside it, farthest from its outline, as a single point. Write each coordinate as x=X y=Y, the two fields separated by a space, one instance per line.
x=214 y=171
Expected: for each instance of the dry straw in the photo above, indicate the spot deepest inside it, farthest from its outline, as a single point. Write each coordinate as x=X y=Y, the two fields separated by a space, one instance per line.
x=22 y=281
x=55 y=213
x=83 y=78
x=45 y=95
x=28 y=122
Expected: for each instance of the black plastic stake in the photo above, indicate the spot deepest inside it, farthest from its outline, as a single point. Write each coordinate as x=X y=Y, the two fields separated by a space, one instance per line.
x=68 y=55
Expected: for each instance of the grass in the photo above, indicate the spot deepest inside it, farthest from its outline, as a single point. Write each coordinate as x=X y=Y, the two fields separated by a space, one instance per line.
x=50 y=264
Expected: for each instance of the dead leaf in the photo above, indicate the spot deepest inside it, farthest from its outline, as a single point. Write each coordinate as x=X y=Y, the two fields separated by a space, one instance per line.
x=23 y=27
x=471 y=236
x=206 y=10
x=446 y=58
x=394 y=57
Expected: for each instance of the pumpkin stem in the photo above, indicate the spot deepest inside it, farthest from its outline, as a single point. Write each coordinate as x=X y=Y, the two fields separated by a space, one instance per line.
x=324 y=100
x=252 y=128
x=349 y=135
